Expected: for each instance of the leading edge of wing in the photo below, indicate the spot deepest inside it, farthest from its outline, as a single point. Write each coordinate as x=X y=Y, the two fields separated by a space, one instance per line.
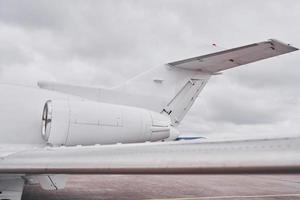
x=249 y=156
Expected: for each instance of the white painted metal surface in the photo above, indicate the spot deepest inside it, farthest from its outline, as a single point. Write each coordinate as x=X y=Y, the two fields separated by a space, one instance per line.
x=11 y=187
x=280 y=155
x=147 y=107
x=87 y=123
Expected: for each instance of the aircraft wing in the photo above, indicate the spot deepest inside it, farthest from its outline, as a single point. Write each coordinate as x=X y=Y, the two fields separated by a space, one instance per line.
x=280 y=155
x=219 y=61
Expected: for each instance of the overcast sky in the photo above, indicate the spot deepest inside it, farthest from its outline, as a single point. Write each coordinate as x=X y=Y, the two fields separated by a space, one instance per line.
x=108 y=42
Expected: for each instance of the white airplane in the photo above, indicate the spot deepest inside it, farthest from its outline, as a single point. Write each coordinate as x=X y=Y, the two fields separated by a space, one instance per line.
x=58 y=129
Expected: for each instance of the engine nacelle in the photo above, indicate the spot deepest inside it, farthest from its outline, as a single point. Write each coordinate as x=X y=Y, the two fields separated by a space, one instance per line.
x=87 y=123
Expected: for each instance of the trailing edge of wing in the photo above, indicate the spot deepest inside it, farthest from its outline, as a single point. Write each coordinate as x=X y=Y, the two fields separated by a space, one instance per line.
x=230 y=58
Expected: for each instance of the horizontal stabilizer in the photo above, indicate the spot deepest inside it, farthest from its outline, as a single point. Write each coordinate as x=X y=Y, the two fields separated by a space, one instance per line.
x=219 y=61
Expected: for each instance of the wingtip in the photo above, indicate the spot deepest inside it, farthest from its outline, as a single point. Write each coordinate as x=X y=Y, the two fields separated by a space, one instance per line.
x=284 y=44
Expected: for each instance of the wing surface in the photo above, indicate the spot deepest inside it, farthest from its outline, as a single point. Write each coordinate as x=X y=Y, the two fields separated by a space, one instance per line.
x=183 y=157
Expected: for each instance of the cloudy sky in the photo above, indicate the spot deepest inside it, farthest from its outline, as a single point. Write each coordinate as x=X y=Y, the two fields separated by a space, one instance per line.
x=107 y=42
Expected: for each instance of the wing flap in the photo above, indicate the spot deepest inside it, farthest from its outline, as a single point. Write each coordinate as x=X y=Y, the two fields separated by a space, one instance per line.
x=11 y=187
x=227 y=59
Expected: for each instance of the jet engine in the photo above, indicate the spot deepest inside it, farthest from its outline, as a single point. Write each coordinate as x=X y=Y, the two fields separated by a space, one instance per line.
x=66 y=122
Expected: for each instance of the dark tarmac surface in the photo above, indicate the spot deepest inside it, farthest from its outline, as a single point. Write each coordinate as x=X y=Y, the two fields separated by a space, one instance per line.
x=172 y=187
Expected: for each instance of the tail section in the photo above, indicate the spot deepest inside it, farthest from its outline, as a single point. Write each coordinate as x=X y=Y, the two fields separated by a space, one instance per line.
x=176 y=89
x=173 y=88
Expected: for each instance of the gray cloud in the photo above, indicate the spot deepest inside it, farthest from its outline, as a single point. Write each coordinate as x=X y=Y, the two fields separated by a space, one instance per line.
x=34 y=14
x=107 y=42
